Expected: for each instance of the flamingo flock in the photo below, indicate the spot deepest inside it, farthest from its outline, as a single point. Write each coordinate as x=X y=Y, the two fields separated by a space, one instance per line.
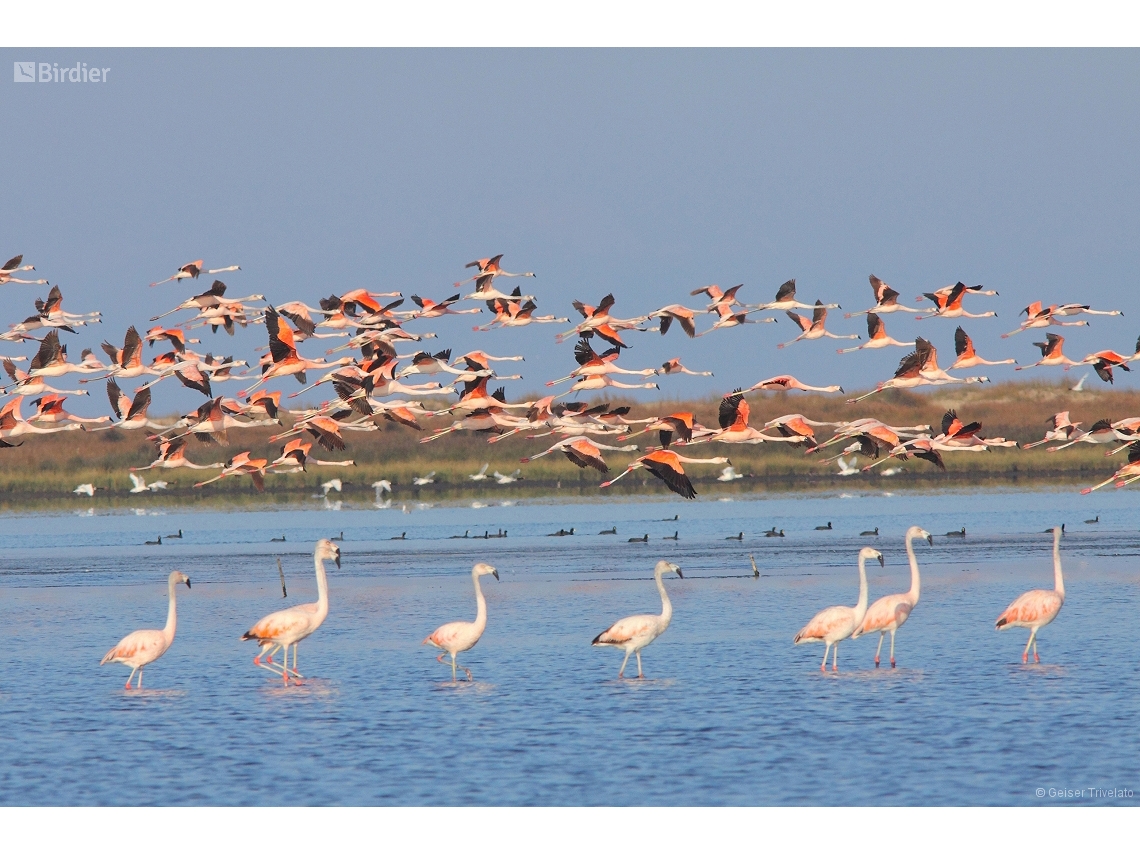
x=384 y=352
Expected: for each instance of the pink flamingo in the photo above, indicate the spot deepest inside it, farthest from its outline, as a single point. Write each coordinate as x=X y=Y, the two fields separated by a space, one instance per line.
x=886 y=299
x=814 y=328
x=144 y=646
x=634 y=633
x=836 y=623
x=292 y=626
x=1035 y=609
x=876 y=336
x=458 y=636
x=888 y=613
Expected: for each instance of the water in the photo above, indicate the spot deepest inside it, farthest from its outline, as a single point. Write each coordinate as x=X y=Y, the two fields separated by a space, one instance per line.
x=730 y=712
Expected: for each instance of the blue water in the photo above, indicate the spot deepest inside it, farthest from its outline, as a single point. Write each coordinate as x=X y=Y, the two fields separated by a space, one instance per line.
x=730 y=712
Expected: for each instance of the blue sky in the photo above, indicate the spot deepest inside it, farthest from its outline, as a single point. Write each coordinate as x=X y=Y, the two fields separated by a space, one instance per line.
x=646 y=173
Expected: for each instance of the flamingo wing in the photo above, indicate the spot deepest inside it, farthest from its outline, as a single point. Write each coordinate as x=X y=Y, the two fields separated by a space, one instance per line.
x=831 y=622
x=1033 y=607
x=885 y=614
x=139 y=648
x=291 y=623
x=628 y=629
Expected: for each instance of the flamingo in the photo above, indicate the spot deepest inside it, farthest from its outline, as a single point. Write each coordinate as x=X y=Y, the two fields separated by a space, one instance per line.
x=886 y=299
x=292 y=626
x=1062 y=429
x=1103 y=361
x=1123 y=476
x=581 y=452
x=1035 y=609
x=666 y=465
x=1037 y=316
x=214 y=298
x=719 y=298
x=888 y=613
x=633 y=633
x=785 y=382
x=734 y=428
x=676 y=312
x=876 y=336
x=192 y=271
x=674 y=366
x=948 y=303
x=786 y=299
x=814 y=328
x=242 y=464
x=50 y=410
x=836 y=623
x=12 y=265
x=488 y=268
x=12 y=424
x=144 y=646
x=459 y=636
x=967 y=357
x=432 y=309
x=728 y=318
x=1050 y=353
x=172 y=455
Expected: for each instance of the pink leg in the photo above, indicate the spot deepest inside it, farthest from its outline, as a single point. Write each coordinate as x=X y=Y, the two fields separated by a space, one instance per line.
x=835 y=658
x=878 y=649
x=892 y=648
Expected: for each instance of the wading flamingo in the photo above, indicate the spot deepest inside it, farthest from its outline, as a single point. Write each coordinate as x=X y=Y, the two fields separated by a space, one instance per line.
x=458 y=636
x=836 y=623
x=633 y=633
x=292 y=626
x=888 y=613
x=1036 y=609
x=144 y=646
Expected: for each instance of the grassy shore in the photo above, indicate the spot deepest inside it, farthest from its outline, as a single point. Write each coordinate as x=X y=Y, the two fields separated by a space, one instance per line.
x=51 y=466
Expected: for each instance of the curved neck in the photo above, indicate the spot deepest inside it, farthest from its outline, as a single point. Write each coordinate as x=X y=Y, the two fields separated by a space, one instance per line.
x=480 y=604
x=171 y=613
x=1058 y=579
x=861 y=606
x=915 y=582
x=666 y=606
x=322 y=589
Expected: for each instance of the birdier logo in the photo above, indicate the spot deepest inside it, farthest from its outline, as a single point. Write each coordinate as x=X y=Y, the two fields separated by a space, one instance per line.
x=52 y=72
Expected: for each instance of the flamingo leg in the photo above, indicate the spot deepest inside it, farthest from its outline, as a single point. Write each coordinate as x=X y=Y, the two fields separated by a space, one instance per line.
x=892 y=648
x=880 y=647
x=835 y=658
x=138 y=685
x=453 y=668
x=1036 y=658
x=639 y=675
x=131 y=677
x=826 y=650
x=1025 y=653
x=621 y=671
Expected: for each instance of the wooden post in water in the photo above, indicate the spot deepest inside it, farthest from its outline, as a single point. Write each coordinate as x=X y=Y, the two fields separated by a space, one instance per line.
x=281 y=573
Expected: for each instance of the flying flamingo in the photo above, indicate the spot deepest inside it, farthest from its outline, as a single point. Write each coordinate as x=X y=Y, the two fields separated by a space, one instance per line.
x=489 y=269
x=675 y=312
x=674 y=366
x=172 y=455
x=1050 y=353
x=1035 y=609
x=733 y=415
x=786 y=382
x=1103 y=361
x=633 y=633
x=582 y=452
x=876 y=336
x=728 y=318
x=948 y=303
x=1062 y=430
x=836 y=623
x=814 y=328
x=886 y=299
x=1037 y=317
x=719 y=298
x=144 y=646
x=292 y=626
x=967 y=357
x=50 y=410
x=242 y=464
x=1123 y=476
x=12 y=424
x=666 y=465
x=211 y=299
x=432 y=309
x=888 y=613
x=12 y=265
x=458 y=636
x=786 y=299
x=192 y=271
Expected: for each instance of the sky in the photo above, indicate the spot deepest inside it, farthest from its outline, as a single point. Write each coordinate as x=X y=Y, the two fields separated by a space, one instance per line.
x=646 y=173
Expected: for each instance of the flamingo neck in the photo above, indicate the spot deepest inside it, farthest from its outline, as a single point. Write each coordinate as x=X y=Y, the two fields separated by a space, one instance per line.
x=322 y=589
x=861 y=605
x=171 y=613
x=1058 y=578
x=666 y=605
x=480 y=605
x=915 y=581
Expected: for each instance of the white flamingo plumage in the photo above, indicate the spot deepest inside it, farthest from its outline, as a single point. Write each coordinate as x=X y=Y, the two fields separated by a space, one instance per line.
x=634 y=633
x=458 y=636
x=836 y=623
x=1035 y=609
x=292 y=626
x=888 y=613
x=144 y=646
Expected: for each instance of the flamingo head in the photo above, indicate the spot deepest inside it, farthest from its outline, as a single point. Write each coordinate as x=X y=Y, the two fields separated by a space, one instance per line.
x=918 y=531
x=178 y=577
x=867 y=552
x=482 y=569
x=326 y=549
x=667 y=567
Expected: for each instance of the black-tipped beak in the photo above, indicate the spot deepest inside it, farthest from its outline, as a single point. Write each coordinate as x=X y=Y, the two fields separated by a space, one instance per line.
x=337 y=559
x=679 y=576
x=495 y=573
x=882 y=563
x=930 y=539
x=187 y=583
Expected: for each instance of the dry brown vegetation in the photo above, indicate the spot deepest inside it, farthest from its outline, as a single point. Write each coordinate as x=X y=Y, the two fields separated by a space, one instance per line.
x=47 y=466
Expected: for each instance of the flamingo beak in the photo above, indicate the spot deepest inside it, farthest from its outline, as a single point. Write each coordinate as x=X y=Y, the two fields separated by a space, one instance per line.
x=495 y=573
x=187 y=584
x=677 y=570
x=930 y=539
x=337 y=559
x=882 y=563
